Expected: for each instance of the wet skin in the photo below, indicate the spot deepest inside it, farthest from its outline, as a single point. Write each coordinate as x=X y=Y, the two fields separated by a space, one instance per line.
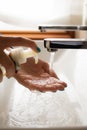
x=39 y=77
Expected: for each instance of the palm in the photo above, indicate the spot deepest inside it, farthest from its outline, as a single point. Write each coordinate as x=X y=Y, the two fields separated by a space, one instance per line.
x=38 y=76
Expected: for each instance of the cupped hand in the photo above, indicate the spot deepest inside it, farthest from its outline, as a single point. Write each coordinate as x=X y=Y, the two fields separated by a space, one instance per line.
x=5 y=60
x=38 y=76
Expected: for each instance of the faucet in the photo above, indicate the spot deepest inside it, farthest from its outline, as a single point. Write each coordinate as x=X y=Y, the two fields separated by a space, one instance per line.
x=53 y=44
x=43 y=28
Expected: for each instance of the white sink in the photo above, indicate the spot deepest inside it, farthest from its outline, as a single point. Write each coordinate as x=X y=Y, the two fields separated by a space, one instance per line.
x=21 y=108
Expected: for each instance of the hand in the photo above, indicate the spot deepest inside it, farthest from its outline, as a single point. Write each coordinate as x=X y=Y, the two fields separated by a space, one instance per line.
x=5 y=60
x=38 y=77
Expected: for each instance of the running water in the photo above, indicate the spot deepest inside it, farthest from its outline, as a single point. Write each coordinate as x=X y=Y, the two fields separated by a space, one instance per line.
x=52 y=55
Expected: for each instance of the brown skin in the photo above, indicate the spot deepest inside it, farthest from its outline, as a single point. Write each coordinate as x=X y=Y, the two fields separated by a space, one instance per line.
x=33 y=76
x=39 y=77
x=1 y=76
x=5 y=60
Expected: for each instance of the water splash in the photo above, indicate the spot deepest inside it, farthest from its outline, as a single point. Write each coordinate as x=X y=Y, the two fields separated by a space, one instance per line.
x=27 y=110
x=52 y=55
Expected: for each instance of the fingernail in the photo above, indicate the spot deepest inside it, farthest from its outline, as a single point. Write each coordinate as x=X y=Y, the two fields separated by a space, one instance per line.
x=38 y=49
x=61 y=89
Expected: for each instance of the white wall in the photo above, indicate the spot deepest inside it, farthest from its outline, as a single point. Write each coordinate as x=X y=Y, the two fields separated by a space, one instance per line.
x=29 y=14
x=79 y=12
x=76 y=11
x=82 y=19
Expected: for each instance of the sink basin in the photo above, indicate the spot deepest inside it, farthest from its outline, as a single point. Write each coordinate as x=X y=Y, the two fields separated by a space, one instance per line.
x=21 y=108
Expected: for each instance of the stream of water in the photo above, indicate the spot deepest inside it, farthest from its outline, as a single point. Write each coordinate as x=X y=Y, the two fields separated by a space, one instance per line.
x=52 y=55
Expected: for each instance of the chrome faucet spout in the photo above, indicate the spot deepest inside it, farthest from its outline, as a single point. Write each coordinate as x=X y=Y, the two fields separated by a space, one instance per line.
x=56 y=43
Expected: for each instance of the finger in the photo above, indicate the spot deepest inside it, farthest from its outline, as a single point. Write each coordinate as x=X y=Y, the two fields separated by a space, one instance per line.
x=63 y=83
x=20 y=41
x=54 y=87
x=48 y=87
